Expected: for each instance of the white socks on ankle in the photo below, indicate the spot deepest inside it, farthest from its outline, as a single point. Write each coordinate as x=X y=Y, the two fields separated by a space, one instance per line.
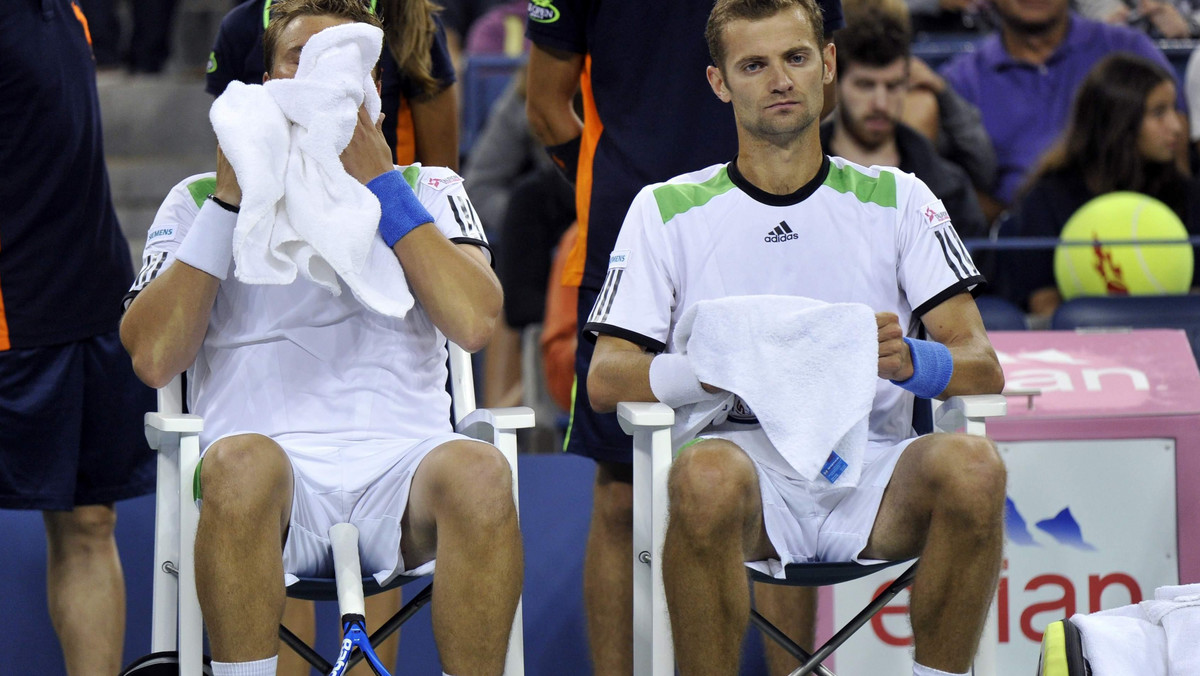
x=920 y=670
x=257 y=668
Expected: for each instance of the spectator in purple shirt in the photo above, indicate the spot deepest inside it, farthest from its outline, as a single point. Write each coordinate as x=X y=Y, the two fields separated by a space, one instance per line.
x=1024 y=77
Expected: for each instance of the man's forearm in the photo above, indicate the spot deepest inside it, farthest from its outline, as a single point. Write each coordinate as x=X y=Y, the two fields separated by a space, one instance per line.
x=458 y=289
x=165 y=325
x=553 y=78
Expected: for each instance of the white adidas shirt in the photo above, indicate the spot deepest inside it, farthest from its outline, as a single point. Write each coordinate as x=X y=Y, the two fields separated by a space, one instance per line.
x=874 y=236
x=296 y=359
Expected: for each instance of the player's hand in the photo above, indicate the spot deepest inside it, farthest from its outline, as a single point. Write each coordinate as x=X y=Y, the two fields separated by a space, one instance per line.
x=895 y=359
x=711 y=389
x=227 y=189
x=367 y=155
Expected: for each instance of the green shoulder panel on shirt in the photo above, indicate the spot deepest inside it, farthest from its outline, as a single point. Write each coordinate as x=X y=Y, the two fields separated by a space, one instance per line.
x=202 y=188
x=879 y=190
x=411 y=174
x=676 y=198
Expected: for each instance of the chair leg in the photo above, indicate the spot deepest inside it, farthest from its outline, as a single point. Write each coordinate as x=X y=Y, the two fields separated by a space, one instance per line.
x=859 y=620
x=304 y=651
x=772 y=632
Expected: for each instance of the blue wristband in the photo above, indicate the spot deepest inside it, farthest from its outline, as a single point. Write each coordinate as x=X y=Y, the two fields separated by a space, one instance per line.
x=400 y=210
x=932 y=368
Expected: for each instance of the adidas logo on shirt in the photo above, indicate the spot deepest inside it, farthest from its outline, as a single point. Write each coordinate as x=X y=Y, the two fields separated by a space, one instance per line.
x=781 y=233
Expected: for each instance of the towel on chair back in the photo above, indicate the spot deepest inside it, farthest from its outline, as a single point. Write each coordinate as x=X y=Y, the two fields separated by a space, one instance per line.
x=301 y=211
x=807 y=369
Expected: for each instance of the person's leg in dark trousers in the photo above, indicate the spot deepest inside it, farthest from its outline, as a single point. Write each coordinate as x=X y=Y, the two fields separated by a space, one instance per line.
x=150 y=44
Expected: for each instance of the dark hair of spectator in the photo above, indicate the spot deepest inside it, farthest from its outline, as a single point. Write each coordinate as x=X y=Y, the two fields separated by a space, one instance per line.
x=1100 y=141
x=874 y=39
x=410 y=29
x=285 y=11
x=726 y=11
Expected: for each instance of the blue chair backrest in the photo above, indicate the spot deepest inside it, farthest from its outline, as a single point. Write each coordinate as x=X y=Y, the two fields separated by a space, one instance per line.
x=1138 y=312
x=1000 y=314
x=484 y=79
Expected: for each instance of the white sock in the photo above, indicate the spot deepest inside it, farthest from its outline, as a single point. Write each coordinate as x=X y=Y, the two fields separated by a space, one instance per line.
x=918 y=670
x=257 y=668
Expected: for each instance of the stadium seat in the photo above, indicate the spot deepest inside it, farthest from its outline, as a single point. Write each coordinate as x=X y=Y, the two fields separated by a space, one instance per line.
x=650 y=425
x=484 y=79
x=1000 y=314
x=1132 y=312
x=176 y=636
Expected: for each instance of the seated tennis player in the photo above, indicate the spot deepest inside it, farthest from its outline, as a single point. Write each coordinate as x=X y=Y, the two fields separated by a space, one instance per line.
x=318 y=410
x=782 y=219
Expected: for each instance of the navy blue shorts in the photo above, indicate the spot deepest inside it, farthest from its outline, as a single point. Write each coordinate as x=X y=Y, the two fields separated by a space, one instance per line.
x=595 y=435
x=71 y=426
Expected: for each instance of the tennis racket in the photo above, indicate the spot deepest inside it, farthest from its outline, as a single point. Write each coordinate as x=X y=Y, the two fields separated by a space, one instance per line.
x=343 y=537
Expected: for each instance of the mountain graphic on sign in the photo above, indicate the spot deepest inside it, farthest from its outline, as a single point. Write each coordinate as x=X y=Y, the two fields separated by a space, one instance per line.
x=1065 y=529
x=1014 y=525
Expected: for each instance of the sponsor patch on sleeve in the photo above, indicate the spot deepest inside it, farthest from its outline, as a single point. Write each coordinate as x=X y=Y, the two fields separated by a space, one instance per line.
x=160 y=234
x=617 y=260
x=934 y=214
x=441 y=182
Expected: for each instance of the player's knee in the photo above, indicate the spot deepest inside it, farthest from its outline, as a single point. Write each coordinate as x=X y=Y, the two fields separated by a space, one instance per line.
x=971 y=478
x=82 y=525
x=244 y=471
x=612 y=503
x=476 y=485
x=710 y=485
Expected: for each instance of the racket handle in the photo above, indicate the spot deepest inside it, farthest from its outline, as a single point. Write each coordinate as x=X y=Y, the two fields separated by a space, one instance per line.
x=343 y=538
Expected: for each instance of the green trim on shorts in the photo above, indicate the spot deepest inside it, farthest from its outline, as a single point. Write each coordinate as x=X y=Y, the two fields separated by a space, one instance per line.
x=196 y=492
x=570 y=420
x=693 y=442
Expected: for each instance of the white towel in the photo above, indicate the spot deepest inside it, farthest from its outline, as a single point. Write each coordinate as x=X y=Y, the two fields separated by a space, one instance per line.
x=301 y=212
x=1150 y=638
x=1177 y=610
x=808 y=370
x=1120 y=642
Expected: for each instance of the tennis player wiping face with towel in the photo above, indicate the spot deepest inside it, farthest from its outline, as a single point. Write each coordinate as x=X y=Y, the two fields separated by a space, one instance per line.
x=784 y=219
x=319 y=410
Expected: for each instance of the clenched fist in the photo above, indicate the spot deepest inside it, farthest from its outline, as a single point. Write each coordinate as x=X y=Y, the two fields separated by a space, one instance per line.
x=895 y=359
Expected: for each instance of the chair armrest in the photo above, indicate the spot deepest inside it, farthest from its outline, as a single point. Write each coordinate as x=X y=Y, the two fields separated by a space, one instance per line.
x=511 y=418
x=969 y=412
x=635 y=414
x=158 y=425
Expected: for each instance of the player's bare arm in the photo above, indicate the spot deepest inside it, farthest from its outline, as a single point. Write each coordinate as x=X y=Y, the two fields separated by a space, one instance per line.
x=165 y=325
x=553 y=78
x=620 y=371
x=956 y=324
x=453 y=282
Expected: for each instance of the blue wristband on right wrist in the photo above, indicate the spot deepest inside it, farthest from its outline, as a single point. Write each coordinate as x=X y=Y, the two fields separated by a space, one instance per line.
x=400 y=210
x=933 y=366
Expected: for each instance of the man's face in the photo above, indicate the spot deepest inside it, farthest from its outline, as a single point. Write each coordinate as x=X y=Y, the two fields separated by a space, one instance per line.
x=1031 y=17
x=773 y=74
x=293 y=38
x=870 y=100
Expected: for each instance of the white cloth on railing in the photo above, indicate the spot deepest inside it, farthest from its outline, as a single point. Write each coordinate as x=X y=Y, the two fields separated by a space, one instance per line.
x=301 y=212
x=807 y=369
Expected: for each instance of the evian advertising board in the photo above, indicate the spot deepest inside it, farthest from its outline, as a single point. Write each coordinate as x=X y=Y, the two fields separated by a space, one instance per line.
x=1097 y=515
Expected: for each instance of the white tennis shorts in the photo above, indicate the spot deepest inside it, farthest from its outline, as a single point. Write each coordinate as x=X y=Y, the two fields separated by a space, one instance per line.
x=365 y=483
x=809 y=521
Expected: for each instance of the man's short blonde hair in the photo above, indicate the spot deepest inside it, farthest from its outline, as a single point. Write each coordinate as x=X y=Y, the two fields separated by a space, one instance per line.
x=725 y=12
x=284 y=12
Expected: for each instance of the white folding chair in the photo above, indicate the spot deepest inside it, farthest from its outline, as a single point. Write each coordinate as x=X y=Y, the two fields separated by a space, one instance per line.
x=177 y=624
x=650 y=426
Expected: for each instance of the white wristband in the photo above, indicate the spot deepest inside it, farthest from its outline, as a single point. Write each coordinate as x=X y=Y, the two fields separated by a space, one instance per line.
x=673 y=381
x=208 y=245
